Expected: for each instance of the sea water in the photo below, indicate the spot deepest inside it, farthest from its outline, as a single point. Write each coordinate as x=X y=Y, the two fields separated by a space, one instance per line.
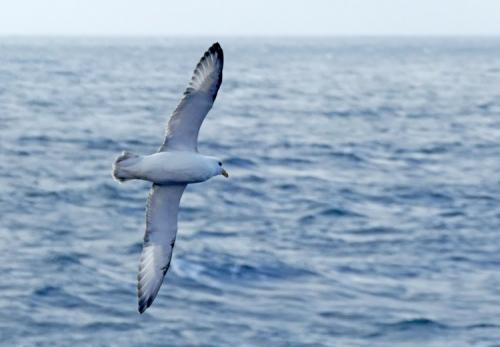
x=362 y=207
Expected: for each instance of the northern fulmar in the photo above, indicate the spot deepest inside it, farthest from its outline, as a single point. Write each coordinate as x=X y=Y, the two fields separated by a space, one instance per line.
x=176 y=164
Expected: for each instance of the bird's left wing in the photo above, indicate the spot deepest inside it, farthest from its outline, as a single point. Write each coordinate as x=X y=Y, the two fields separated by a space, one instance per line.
x=184 y=124
x=159 y=239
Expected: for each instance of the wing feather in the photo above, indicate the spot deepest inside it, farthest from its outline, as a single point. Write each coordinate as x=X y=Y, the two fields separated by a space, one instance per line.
x=159 y=240
x=185 y=122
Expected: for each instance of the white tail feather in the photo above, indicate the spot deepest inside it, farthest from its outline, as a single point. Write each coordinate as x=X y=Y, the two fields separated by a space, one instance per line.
x=119 y=166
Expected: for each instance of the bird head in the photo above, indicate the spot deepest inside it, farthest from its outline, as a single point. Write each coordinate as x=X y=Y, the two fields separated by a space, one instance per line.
x=218 y=169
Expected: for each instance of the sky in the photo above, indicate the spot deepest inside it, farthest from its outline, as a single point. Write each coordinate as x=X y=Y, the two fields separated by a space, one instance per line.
x=249 y=18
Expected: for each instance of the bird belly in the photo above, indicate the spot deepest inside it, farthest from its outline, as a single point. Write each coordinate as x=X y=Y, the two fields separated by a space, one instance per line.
x=172 y=168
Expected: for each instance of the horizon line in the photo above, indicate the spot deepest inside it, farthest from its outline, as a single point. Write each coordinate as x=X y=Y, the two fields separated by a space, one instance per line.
x=249 y=36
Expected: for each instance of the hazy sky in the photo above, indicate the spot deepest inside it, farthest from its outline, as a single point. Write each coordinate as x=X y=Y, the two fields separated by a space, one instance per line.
x=255 y=17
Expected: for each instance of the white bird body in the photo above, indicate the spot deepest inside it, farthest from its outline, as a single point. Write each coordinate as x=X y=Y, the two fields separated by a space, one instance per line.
x=169 y=167
x=176 y=164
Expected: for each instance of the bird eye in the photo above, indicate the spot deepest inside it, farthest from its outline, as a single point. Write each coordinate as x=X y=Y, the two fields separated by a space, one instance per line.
x=220 y=164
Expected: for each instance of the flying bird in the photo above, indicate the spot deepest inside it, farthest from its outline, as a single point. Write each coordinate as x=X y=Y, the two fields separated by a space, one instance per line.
x=176 y=164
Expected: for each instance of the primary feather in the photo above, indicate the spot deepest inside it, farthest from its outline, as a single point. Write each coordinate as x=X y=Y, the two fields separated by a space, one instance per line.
x=185 y=122
x=159 y=240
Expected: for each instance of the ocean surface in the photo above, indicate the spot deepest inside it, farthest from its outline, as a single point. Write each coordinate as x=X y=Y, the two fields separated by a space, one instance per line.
x=362 y=208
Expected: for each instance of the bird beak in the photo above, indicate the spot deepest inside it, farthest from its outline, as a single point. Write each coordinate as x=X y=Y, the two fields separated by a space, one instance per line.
x=224 y=173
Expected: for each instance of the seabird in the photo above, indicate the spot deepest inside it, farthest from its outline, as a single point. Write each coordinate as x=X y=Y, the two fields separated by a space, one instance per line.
x=176 y=164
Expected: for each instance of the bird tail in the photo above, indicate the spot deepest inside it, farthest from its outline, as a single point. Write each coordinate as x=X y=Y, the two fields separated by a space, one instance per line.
x=124 y=160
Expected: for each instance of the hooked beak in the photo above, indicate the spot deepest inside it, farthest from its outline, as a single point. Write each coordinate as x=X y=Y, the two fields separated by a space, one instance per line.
x=224 y=173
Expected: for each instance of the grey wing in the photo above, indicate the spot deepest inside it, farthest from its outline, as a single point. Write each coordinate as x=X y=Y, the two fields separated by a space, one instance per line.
x=159 y=239
x=184 y=124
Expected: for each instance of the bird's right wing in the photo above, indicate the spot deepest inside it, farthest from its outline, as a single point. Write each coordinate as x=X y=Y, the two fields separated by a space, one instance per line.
x=159 y=239
x=184 y=124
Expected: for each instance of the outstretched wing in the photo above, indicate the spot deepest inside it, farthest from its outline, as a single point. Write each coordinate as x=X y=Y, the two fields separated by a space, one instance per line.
x=184 y=124
x=159 y=239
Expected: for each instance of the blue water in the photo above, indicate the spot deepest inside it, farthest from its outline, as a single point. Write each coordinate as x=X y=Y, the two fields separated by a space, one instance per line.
x=362 y=207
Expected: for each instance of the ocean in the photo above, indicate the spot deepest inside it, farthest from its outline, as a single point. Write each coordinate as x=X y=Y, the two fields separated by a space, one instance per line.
x=362 y=207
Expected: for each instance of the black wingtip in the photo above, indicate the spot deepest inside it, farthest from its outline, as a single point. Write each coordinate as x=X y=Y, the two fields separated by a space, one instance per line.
x=141 y=308
x=216 y=48
x=144 y=304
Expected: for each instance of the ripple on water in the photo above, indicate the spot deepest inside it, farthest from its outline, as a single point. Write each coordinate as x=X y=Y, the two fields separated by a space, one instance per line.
x=362 y=208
